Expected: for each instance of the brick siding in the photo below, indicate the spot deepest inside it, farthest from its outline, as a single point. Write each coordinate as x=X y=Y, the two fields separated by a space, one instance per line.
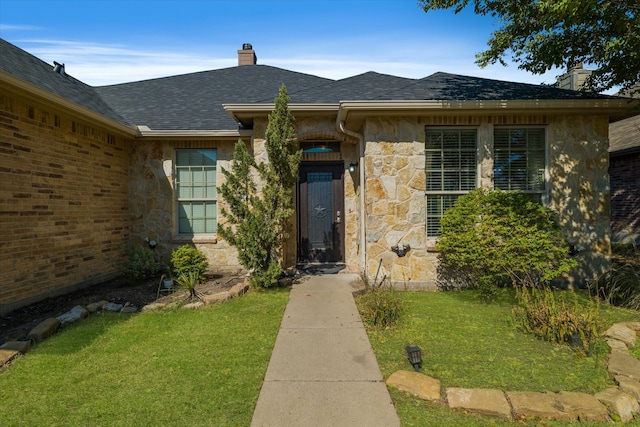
x=63 y=202
x=624 y=171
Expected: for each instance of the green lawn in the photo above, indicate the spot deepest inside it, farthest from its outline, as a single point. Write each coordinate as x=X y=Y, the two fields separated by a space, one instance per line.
x=181 y=368
x=466 y=343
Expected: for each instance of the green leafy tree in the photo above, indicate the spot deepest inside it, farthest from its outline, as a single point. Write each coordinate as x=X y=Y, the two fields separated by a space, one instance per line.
x=257 y=211
x=492 y=237
x=543 y=34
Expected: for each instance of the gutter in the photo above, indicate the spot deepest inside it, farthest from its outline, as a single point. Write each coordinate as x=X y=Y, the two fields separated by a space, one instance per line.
x=340 y=125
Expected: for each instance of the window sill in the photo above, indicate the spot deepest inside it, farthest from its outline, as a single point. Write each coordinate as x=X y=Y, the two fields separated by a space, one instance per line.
x=212 y=239
x=431 y=244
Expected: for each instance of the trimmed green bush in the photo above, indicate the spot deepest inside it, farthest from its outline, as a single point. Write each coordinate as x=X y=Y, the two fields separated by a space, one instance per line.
x=493 y=238
x=185 y=260
x=141 y=265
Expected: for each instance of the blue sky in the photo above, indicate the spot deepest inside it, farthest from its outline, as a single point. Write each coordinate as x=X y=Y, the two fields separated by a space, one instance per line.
x=113 y=41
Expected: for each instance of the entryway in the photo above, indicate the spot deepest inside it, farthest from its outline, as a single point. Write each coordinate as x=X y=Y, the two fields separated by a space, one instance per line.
x=321 y=212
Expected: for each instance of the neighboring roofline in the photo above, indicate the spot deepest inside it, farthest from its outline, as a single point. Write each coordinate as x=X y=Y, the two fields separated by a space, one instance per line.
x=146 y=132
x=56 y=101
x=624 y=151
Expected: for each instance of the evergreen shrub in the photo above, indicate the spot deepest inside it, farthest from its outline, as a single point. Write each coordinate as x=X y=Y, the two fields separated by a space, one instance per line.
x=492 y=238
x=141 y=265
x=186 y=260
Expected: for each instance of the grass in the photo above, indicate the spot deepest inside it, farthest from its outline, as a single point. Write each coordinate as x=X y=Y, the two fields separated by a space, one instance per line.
x=466 y=343
x=191 y=368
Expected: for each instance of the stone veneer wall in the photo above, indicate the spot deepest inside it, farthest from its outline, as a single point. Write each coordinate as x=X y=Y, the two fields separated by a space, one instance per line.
x=395 y=190
x=63 y=202
x=152 y=206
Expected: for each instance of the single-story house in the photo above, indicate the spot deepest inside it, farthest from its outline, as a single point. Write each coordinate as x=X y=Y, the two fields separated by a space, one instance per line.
x=89 y=172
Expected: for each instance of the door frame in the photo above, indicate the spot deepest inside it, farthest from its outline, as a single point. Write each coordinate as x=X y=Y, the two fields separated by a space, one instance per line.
x=338 y=203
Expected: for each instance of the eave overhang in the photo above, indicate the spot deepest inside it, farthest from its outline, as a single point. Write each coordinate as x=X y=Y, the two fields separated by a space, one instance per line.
x=146 y=132
x=245 y=113
x=353 y=113
x=37 y=94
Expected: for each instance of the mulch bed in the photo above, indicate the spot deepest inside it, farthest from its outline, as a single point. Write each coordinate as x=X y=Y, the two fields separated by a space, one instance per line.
x=17 y=324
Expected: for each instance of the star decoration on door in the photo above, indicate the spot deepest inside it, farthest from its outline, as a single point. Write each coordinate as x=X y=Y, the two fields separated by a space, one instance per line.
x=321 y=211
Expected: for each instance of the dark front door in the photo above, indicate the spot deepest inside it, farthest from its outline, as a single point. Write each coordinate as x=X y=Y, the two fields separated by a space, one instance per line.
x=321 y=212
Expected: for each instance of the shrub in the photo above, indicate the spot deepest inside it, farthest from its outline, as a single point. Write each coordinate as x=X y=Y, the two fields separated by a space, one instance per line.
x=188 y=281
x=186 y=259
x=141 y=265
x=550 y=315
x=380 y=308
x=619 y=286
x=493 y=237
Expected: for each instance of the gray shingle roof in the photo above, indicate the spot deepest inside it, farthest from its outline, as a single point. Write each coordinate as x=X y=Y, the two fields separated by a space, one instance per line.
x=454 y=87
x=624 y=136
x=194 y=101
x=27 y=67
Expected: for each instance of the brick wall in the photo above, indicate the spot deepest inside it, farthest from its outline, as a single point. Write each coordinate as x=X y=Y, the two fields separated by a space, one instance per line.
x=63 y=202
x=624 y=171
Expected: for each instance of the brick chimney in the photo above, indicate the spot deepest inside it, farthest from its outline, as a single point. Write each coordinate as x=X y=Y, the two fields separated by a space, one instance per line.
x=247 y=56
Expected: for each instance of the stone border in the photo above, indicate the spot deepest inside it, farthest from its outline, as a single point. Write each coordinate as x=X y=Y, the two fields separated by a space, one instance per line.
x=11 y=350
x=613 y=404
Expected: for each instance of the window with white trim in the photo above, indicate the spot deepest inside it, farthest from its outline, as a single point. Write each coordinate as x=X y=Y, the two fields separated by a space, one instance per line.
x=196 y=192
x=451 y=165
x=519 y=160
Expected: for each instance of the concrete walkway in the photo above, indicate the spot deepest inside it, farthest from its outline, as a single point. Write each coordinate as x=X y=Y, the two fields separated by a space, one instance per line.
x=323 y=371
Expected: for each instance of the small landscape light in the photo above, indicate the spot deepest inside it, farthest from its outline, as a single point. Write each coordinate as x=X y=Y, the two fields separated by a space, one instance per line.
x=415 y=356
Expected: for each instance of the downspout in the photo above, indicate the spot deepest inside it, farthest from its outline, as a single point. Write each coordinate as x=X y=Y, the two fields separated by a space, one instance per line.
x=363 y=240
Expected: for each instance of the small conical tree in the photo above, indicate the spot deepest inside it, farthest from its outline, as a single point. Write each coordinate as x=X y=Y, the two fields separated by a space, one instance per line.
x=257 y=215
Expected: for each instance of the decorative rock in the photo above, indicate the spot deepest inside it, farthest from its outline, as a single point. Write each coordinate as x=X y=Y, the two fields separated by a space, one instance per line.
x=19 y=346
x=216 y=298
x=624 y=364
x=619 y=403
x=617 y=345
x=129 y=309
x=585 y=406
x=479 y=401
x=7 y=356
x=112 y=306
x=417 y=384
x=635 y=326
x=629 y=386
x=155 y=306
x=239 y=289
x=95 y=306
x=193 y=305
x=76 y=313
x=623 y=333
x=44 y=330
x=537 y=405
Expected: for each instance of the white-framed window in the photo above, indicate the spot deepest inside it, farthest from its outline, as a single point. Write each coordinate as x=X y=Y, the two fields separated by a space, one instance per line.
x=196 y=193
x=451 y=165
x=519 y=160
